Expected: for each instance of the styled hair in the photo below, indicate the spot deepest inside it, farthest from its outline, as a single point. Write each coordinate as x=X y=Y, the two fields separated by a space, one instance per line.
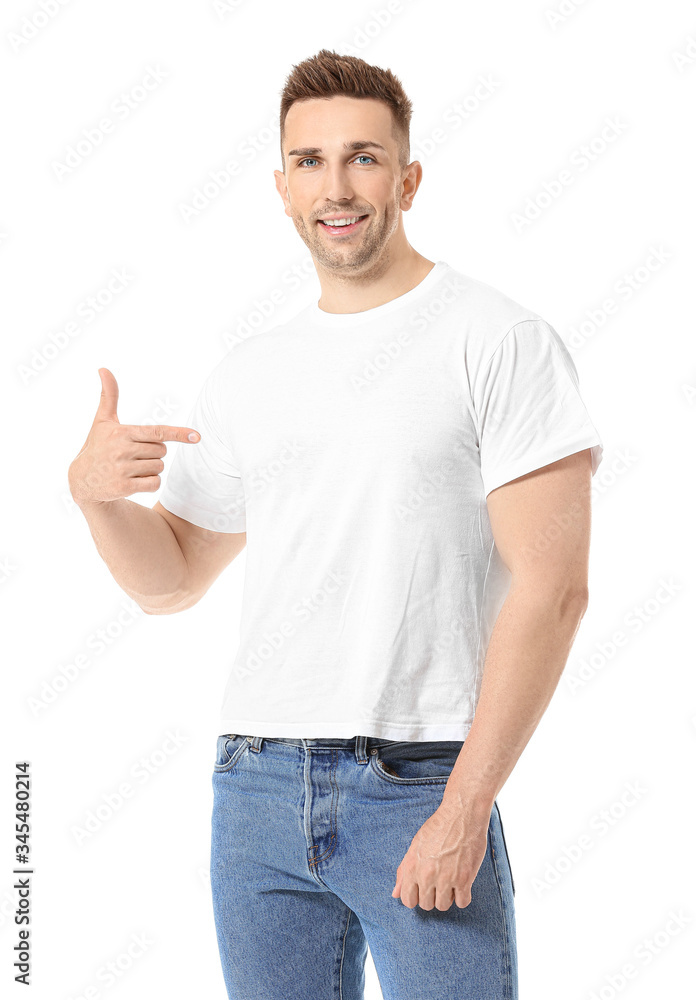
x=328 y=74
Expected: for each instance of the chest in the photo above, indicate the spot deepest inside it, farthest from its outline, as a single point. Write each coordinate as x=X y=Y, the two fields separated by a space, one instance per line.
x=371 y=405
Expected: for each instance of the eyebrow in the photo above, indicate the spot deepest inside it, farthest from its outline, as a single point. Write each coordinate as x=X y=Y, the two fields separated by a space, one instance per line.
x=348 y=146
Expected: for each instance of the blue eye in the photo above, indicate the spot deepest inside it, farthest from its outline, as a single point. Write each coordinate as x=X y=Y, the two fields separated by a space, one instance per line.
x=361 y=156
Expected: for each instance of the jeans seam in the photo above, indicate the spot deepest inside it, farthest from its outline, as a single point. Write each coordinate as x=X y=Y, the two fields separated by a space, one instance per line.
x=343 y=955
x=507 y=853
x=334 y=810
x=506 y=945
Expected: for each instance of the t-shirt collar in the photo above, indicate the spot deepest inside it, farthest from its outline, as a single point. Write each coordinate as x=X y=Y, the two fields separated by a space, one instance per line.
x=320 y=317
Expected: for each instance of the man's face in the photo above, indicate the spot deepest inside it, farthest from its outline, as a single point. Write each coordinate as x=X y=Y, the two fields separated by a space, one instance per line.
x=334 y=181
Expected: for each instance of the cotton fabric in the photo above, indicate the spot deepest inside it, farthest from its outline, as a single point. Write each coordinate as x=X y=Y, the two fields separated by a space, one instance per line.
x=357 y=451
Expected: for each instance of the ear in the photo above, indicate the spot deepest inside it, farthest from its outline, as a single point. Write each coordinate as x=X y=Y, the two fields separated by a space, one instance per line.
x=413 y=175
x=282 y=188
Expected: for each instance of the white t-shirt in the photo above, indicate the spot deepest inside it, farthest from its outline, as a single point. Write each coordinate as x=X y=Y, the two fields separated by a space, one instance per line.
x=357 y=450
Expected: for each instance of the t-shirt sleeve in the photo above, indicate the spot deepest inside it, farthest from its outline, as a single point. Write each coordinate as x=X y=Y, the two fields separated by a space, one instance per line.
x=204 y=485
x=528 y=406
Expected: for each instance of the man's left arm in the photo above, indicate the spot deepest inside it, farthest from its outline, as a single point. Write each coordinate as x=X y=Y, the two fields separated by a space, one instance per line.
x=541 y=528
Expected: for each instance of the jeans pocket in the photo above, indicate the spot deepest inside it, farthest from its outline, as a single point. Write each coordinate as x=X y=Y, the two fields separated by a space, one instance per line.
x=228 y=751
x=423 y=763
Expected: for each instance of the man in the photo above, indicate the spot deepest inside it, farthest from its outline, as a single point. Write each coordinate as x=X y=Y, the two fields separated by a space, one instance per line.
x=409 y=461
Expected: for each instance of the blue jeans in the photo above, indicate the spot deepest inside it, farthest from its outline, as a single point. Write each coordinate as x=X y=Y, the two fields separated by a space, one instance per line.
x=306 y=839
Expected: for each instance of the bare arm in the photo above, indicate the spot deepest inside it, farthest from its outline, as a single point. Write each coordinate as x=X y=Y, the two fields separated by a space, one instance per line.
x=541 y=526
x=162 y=561
x=166 y=564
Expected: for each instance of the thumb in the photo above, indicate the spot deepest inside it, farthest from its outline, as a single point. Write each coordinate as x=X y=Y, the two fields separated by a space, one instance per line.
x=109 y=397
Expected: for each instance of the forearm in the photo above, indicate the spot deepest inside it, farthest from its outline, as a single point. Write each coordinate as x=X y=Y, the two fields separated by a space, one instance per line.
x=141 y=551
x=527 y=653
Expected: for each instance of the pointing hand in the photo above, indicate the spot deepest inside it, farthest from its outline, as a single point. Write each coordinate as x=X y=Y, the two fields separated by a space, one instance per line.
x=119 y=459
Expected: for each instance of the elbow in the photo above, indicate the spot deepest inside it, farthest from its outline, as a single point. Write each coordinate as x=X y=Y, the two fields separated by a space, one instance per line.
x=171 y=609
x=573 y=602
x=165 y=611
x=565 y=599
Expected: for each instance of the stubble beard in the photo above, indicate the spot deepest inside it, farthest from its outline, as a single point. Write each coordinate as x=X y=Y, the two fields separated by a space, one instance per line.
x=366 y=250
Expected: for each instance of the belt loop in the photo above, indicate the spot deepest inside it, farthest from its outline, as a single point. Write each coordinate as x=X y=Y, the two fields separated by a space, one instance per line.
x=256 y=743
x=361 y=749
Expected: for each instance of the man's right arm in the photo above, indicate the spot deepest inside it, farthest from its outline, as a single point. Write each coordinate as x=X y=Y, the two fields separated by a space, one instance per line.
x=165 y=563
x=162 y=561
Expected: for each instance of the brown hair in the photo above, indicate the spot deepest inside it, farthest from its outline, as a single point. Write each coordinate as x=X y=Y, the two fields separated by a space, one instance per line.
x=328 y=74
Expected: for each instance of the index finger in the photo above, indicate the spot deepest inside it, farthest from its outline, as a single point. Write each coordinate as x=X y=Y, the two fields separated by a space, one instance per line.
x=163 y=432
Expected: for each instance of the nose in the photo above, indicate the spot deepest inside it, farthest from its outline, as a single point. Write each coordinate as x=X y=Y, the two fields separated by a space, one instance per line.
x=337 y=185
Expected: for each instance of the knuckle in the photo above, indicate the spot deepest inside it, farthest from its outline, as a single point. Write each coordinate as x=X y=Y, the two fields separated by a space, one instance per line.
x=149 y=432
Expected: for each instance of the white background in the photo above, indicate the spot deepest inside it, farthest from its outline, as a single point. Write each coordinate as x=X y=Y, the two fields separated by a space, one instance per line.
x=583 y=915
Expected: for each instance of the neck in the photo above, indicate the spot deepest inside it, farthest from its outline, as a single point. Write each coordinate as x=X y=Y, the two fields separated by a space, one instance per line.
x=383 y=281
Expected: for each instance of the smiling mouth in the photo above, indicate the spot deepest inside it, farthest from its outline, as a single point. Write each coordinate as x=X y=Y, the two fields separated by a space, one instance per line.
x=342 y=228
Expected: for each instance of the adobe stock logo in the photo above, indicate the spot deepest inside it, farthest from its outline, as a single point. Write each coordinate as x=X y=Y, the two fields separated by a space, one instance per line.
x=562 y=12
x=224 y=7
x=603 y=822
x=686 y=59
x=623 y=290
x=363 y=35
x=634 y=622
x=101 y=640
x=122 y=108
x=33 y=24
x=262 y=476
x=113 y=800
x=580 y=160
x=301 y=612
x=87 y=310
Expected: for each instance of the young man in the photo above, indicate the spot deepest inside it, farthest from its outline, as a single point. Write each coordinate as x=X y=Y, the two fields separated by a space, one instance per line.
x=408 y=462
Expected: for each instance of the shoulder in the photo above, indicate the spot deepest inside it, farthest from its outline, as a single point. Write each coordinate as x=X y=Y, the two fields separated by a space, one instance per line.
x=483 y=312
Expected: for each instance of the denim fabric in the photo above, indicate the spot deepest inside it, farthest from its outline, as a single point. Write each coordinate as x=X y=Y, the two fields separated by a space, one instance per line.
x=306 y=839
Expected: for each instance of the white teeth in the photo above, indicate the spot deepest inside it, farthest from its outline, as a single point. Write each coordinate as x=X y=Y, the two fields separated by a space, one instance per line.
x=340 y=222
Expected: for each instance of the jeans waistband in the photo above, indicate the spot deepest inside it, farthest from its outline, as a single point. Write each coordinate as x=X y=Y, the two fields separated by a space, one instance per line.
x=361 y=746
x=324 y=742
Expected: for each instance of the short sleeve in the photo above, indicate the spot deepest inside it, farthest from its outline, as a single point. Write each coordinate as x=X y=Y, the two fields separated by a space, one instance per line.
x=203 y=485
x=528 y=406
